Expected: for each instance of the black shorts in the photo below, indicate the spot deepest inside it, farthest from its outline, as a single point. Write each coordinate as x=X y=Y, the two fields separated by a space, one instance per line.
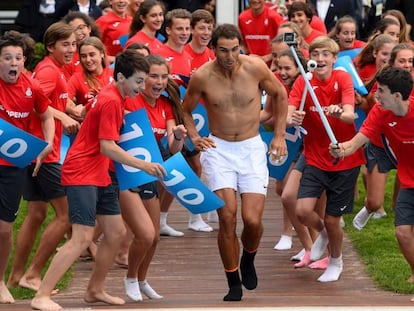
x=46 y=185
x=377 y=156
x=300 y=163
x=147 y=191
x=85 y=202
x=11 y=188
x=404 y=208
x=339 y=186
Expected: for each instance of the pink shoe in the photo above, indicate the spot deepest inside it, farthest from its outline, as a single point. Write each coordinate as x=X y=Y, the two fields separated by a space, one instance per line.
x=321 y=264
x=304 y=262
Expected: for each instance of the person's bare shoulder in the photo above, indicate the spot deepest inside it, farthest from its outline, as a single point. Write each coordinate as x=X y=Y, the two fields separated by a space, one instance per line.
x=254 y=65
x=202 y=74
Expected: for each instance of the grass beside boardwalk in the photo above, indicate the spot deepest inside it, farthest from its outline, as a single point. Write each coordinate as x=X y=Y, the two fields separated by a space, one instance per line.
x=22 y=293
x=378 y=247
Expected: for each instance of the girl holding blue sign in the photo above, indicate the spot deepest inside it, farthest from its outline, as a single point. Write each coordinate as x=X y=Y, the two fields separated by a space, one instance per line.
x=140 y=206
x=20 y=96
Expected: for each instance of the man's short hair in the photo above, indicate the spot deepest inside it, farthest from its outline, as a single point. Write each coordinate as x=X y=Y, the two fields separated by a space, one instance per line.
x=176 y=13
x=324 y=42
x=397 y=80
x=128 y=62
x=55 y=32
x=298 y=6
x=226 y=31
x=201 y=15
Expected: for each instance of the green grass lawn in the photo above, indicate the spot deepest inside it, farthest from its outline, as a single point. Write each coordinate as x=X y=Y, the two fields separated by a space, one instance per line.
x=378 y=247
x=22 y=293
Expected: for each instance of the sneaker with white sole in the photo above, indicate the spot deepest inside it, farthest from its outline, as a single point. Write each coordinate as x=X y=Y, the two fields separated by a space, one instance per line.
x=361 y=218
x=376 y=215
x=166 y=230
x=199 y=226
x=284 y=243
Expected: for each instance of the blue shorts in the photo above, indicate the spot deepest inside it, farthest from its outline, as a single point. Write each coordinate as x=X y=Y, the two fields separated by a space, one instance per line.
x=377 y=156
x=339 y=186
x=11 y=188
x=85 y=202
x=46 y=185
x=404 y=208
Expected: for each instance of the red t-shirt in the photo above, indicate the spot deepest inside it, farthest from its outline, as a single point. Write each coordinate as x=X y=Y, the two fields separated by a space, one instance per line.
x=84 y=163
x=70 y=69
x=338 y=89
x=79 y=89
x=199 y=59
x=54 y=85
x=318 y=24
x=141 y=37
x=367 y=72
x=313 y=35
x=157 y=115
x=359 y=44
x=399 y=132
x=17 y=102
x=259 y=30
x=180 y=63
x=112 y=27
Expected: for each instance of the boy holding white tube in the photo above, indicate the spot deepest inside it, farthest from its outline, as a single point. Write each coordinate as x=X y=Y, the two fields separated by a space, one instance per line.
x=335 y=94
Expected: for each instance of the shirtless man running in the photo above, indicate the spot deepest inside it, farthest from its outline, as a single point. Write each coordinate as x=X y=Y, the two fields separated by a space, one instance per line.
x=234 y=156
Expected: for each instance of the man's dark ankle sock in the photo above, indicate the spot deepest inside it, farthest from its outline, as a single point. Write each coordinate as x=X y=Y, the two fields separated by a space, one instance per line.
x=248 y=271
x=235 y=290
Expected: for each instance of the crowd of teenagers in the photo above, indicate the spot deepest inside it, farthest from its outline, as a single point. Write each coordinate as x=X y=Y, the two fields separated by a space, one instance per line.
x=107 y=59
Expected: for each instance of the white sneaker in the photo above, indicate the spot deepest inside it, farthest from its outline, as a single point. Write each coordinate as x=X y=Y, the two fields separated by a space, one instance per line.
x=166 y=230
x=200 y=226
x=284 y=243
x=319 y=246
x=298 y=256
x=148 y=291
x=376 y=215
x=132 y=289
x=361 y=218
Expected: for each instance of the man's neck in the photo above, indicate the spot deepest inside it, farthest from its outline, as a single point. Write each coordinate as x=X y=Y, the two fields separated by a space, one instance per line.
x=176 y=47
x=402 y=108
x=258 y=11
x=197 y=47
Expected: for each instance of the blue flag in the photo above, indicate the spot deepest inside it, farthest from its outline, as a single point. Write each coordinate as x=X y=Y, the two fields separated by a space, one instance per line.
x=17 y=146
x=138 y=140
x=187 y=188
x=293 y=142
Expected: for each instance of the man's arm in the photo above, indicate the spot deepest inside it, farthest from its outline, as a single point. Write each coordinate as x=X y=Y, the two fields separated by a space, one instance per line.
x=116 y=153
x=70 y=125
x=277 y=93
x=349 y=147
x=191 y=98
x=48 y=128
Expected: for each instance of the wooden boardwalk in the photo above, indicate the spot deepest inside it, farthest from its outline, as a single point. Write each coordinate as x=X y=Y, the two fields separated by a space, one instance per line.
x=187 y=271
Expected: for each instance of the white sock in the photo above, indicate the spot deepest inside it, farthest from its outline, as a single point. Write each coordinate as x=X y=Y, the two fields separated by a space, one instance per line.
x=163 y=218
x=319 y=245
x=361 y=218
x=195 y=218
x=334 y=270
x=299 y=255
x=284 y=243
x=148 y=290
x=132 y=289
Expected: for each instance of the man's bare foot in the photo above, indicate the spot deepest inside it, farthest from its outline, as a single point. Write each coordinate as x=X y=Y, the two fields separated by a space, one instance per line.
x=34 y=284
x=5 y=296
x=13 y=281
x=103 y=297
x=45 y=304
x=411 y=279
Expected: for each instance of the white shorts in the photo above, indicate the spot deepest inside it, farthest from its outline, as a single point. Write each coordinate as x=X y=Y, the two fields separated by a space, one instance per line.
x=240 y=165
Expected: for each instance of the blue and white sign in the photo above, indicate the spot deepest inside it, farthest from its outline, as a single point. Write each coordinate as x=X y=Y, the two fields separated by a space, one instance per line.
x=138 y=140
x=351 y=53
x=278 y=170
x=345 y=63
x=17 y=146
x=187 y=188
